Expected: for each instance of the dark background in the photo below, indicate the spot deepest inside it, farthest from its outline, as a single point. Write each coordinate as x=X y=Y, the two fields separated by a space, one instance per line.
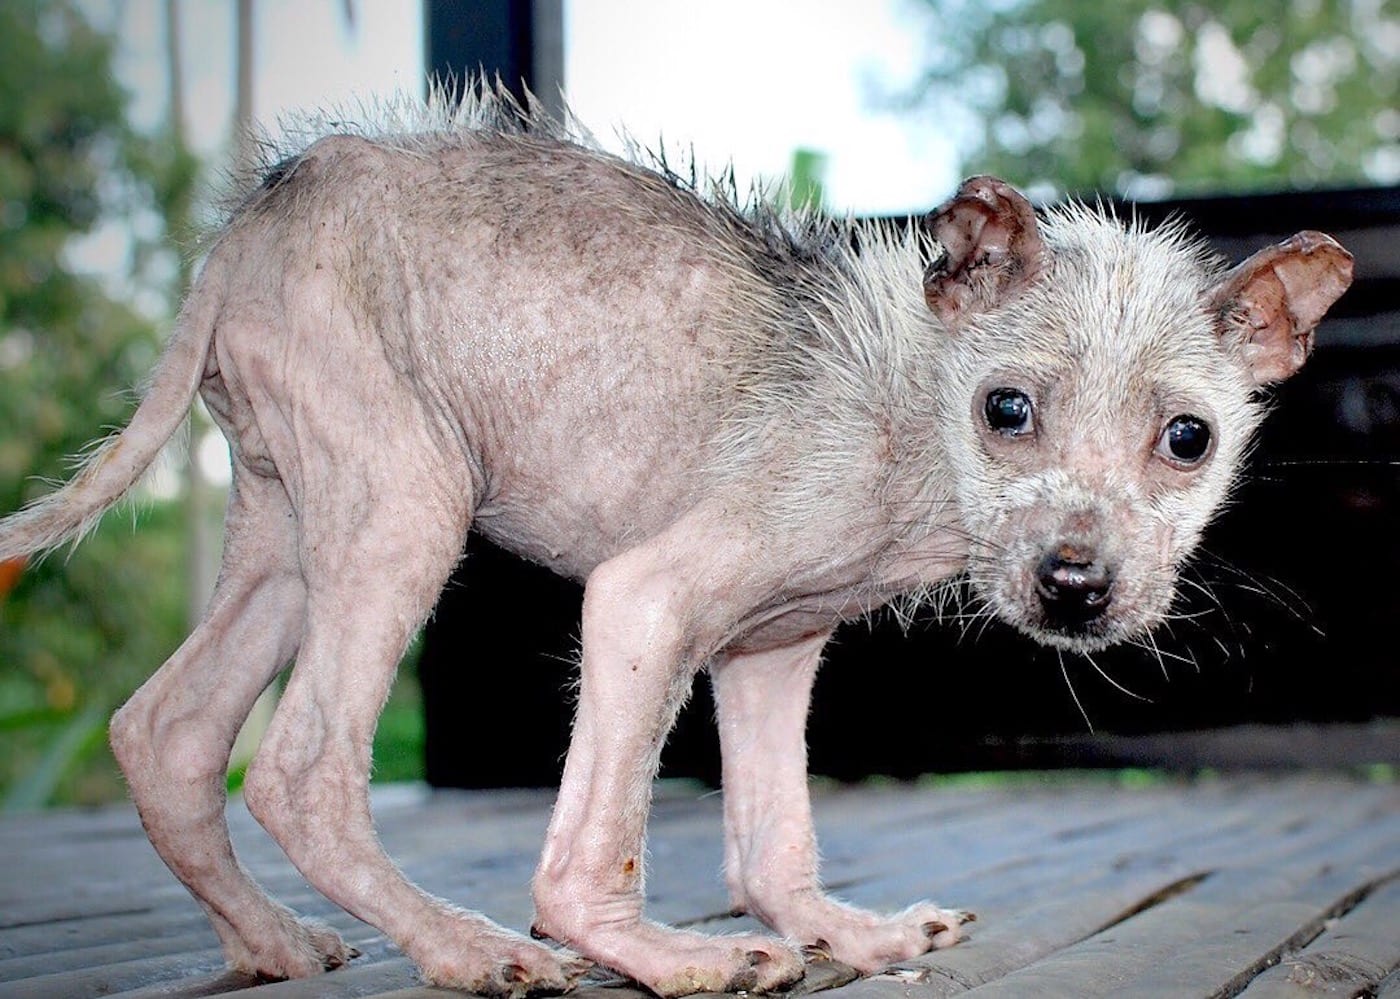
x=1295 y=641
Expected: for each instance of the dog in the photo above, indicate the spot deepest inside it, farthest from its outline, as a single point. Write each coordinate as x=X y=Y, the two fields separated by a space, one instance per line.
x=740 y=426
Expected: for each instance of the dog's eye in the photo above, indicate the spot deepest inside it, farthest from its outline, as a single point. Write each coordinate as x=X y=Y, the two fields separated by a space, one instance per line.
x=1008 y=412
x=1185 y=440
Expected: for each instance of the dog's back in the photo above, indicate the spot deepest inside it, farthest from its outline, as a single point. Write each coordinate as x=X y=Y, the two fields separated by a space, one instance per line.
x=519 y=289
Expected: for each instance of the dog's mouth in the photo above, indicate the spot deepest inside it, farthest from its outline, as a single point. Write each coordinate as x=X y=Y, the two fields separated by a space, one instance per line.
x=1069 y=599
x=1080 y=636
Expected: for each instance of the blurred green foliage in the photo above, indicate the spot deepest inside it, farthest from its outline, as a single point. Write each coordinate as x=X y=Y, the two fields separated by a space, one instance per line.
x=1152 y=97
x=63 y=343
x=76 y=637
x=80 y=631
x=77 y=634
x=804 y=187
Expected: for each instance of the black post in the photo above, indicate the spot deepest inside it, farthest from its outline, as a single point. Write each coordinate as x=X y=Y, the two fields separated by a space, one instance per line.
x=488 y=37
x=497 y=655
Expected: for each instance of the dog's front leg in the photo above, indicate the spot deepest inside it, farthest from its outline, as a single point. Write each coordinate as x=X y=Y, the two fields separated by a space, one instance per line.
x=640 y=654
x=770 y=847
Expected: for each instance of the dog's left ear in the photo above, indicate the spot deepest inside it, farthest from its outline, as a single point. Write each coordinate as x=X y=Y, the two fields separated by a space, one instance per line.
x=1272 y=302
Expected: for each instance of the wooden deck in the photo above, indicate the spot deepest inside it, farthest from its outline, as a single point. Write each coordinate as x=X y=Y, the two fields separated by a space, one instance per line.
x=1085 y=885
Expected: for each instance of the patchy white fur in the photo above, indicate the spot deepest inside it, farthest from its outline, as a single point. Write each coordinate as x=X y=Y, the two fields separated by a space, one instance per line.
x=1118 y=314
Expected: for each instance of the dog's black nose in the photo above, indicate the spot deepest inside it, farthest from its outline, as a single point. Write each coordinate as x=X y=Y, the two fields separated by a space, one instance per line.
x=1074 y=586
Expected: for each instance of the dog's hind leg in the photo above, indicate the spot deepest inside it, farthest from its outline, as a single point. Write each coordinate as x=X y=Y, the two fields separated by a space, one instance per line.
x=379 y=538
x=173 y=737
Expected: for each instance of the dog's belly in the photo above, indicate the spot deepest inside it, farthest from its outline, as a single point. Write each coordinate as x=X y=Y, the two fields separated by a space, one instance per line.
x=571 y=512
x=592 y=423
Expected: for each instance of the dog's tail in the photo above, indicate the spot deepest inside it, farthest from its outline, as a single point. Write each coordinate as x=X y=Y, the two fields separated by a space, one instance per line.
x=118 y=462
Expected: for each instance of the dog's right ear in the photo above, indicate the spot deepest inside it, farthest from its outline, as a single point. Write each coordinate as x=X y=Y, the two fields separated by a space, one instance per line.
x=991 y=249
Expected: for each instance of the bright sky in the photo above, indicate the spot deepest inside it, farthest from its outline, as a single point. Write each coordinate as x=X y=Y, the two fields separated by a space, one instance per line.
x=753 y=80
x=747 y=80
x=306 y=56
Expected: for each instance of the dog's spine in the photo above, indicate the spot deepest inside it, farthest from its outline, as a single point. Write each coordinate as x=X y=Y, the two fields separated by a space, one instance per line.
x=119 y=461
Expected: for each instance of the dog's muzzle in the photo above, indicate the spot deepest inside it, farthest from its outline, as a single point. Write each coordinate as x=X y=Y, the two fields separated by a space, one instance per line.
x=1074 y=588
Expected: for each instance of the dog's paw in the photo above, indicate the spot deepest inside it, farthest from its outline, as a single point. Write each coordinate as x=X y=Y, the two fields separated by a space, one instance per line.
x=501 y=964
x=675 y=963
x=734 y=964
x=869 y=941
x=291 y=948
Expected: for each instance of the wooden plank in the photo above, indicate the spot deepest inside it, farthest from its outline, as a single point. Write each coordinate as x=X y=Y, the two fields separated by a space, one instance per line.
x=177 y=916
x=134 y=950
x=1190 y=942
x=1260 y=935
x=1026 y=854
x=1038 y=863
x=483 y=834
x=893 y=869
x=1172 y=843
x=685 y=881
x=1055 y=866
x=109 y=979
x=1245 y=827
x=1052 y=824
x=357 y=980
x=1289 y=912
x=1008 y=839
x=1353 y=954
x=1029 y=939
x=1011 y=942
x=129 y=948
x=182 y=973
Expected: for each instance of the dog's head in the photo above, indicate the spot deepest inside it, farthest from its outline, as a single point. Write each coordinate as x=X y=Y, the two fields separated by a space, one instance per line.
x=1101 y=393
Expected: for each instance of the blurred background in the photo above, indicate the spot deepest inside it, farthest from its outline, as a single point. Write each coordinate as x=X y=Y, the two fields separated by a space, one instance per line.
x=120 y=119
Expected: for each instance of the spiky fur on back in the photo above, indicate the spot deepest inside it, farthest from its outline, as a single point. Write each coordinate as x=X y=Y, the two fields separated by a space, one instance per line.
x=446 y=120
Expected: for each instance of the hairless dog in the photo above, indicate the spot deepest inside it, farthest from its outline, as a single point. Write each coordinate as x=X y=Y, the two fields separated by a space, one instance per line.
x=739 y=426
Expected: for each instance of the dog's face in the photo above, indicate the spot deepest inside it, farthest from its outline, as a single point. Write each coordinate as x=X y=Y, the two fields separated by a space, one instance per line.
x=1101 y=399
x=1101 y=422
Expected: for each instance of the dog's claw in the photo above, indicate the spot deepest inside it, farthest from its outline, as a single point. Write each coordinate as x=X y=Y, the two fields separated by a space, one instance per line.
x=932 y=929
x=575 y=968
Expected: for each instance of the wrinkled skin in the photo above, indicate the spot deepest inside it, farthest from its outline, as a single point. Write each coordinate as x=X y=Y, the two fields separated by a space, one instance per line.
x=589 y=366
